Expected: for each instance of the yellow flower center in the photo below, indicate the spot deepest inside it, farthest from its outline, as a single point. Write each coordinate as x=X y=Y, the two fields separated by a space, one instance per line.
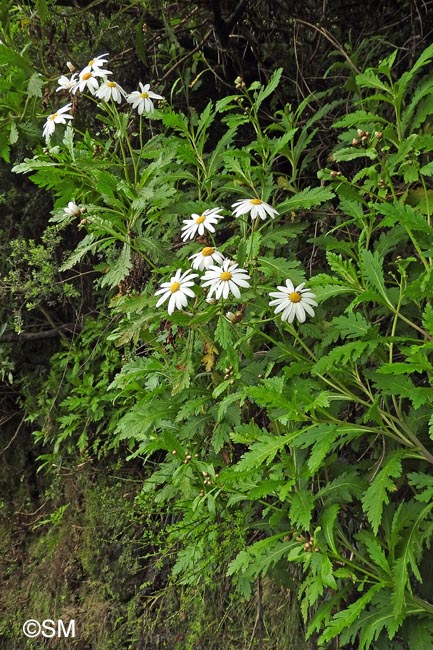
x=200 y=219
x=208 y=250
x=87 y=76
x=111 y=84
x=53 y=116
x=225 y=275
x=91 y=62
x=175 y=286
x=295 y=296
x=256 y=201
x=144 y=95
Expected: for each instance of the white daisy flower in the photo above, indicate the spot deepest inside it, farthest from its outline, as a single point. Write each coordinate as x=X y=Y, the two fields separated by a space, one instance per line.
x=98 y=61
x=293 y=302
x=66 y=83
x=89 y=79
x=206 y=258
x=142 y=99
x=199 y=222
x=225 y=279
x=256 y=207
x=72 y=210
x=59 y=117
x=177 y=290
x=110 y=90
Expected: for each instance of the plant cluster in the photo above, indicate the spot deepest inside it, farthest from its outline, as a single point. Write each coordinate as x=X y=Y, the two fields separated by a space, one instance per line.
x=315 y=434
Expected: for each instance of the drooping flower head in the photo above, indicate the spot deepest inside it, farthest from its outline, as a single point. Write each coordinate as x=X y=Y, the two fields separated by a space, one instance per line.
x=199 y=222
x=293 y=302
x=59 y=117
x=72 y=209
x=177 y=290
x=110 y=90
x=97 y=62
x=225 y=279
x=142 y=99
x=256 y=207
x=206 y=258
x=66 y=83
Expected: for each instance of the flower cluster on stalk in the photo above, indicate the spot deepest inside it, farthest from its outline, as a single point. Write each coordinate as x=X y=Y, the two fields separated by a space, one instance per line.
x=223 y=277
x=96 y=80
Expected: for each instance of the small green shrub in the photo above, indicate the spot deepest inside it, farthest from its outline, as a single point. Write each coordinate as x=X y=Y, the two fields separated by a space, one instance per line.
x=290 y=444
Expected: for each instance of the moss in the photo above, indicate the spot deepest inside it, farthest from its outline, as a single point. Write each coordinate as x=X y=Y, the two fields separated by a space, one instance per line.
x=98 y=561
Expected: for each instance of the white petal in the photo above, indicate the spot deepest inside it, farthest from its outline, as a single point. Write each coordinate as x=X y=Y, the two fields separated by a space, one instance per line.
x=234 y=289
x=163 y=298
x=300 y=312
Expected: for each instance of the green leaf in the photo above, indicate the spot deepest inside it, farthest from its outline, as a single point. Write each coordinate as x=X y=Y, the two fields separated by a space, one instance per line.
x=327 y=291
x=86 y=245
x=306 y=199
x=35 y=85
x=412 y=540
x=370 y=623
x=120 y=269
x=427 y=318
x=401 y=386
x=226 y=337
x=281 y=268
x=344 y=488
x=269 y=88
x=343 y=268
x=327 y=523
x=10 y=57
x=138 y=423
x=374 y=550
x=301 y=509
x=400 y=578
x=106 y=184
x=400 y=368
x=396 y=213
x=424 y=59
x=359 y=119
x=346 y=154
x=423 y=485
x=427 y=170
x=263 y=452
x=376 y=495
x=343 y=354
x=30 y=164
x=371 y=268
x=320 y=438
x=419 y=633
x=369 y=79
x=352 y=326
x=345 y=618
